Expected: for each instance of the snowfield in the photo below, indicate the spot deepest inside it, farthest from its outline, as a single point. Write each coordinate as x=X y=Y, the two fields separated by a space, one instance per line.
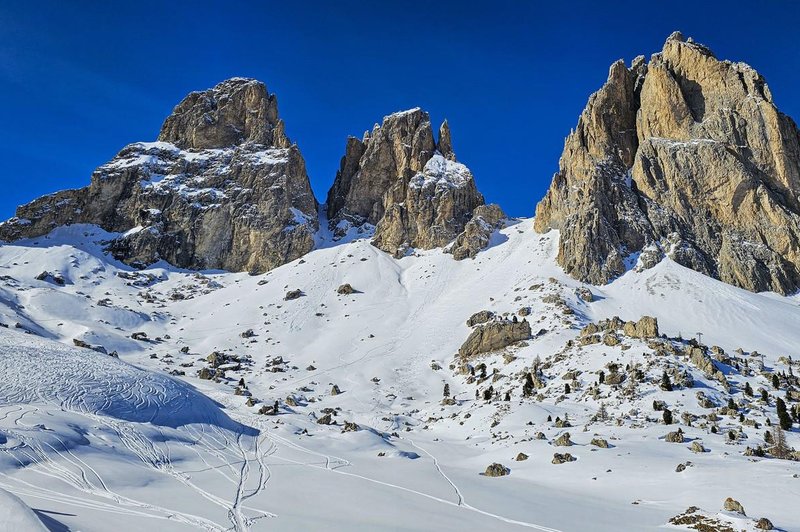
x=92 y=442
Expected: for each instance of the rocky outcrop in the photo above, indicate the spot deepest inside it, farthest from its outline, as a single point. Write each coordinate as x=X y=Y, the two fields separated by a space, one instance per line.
x=493 y=336
x=222 y=188
x=400 y=180
x=486 y=219
x=684 y=156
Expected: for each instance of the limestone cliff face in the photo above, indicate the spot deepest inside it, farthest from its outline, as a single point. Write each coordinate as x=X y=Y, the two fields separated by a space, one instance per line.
x=223 y=188
x=399 y=179
x=687 y=156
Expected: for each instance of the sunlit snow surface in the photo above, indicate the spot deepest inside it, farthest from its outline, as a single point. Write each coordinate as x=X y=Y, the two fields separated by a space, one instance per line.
x=93 y=443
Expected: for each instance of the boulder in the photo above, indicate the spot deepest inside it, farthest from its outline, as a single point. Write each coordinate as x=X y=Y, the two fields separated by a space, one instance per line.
x=584 y=294
x=732 y=505
x=559 y=458
x=480 y=317
x=493 y=336
x=764 y=524
x=496 y=470
x=292 y=294
x=674 y=437
x=345 y=289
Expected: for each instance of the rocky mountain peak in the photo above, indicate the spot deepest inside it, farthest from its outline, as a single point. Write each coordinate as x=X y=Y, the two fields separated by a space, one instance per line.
x=684 y=156
x=235 y=111
x=222 y=188
x=406 y=184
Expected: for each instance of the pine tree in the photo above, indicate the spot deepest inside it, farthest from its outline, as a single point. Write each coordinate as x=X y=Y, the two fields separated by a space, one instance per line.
x=527 y=388
x=601 y=378
x=731 y=404
x=667 y=416
x=566 y=389
x=776 y=383
x=507 y=397
x=602 y=413
x=780 y=449
x=666 y=385
x=488 y=393
x=446 y=391
x=549 y=419
x=748 y=390
x=764 y=395
x=784 y=419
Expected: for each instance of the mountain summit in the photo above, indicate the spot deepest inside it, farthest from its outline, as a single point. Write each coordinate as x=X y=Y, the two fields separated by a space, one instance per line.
x=409 y=186
x=222 y=188
x=685 y=156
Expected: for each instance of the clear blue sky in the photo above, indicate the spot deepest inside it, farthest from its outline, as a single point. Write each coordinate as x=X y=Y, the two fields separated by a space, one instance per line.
x=79 y=80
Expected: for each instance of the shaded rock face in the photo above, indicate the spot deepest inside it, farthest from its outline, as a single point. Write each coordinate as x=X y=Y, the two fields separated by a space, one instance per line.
x=398 y=179
x=684 y=156
x=221 y=189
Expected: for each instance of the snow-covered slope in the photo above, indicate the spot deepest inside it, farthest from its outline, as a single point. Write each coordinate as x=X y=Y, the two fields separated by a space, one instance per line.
x=127 y=445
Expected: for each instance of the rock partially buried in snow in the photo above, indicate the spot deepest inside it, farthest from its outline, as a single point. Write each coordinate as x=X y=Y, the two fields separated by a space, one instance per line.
x=563 y=440
x=674 y=437
x=521 y=457
x=292 y=294
x=697 y=447
x=732 y=505
x=764 y=524
x=562 y=458
x=496 y=470
x=345 y=289
x=480 y=317
x=585 y=294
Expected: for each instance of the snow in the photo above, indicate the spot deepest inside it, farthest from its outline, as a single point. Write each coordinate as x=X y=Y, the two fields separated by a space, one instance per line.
x=104 y=444
x=271 y=156
x=16 y=515
x=441 y=173
x=403 y=113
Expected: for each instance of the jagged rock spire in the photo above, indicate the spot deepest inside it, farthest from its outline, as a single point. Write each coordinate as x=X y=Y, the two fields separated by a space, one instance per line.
x=687 y=156
x=410 y=187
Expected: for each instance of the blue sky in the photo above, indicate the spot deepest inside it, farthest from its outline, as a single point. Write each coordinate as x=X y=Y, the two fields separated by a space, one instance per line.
x=79 y=80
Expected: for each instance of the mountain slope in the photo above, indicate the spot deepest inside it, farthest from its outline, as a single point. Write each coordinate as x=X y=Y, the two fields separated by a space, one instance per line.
x=389 y=347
